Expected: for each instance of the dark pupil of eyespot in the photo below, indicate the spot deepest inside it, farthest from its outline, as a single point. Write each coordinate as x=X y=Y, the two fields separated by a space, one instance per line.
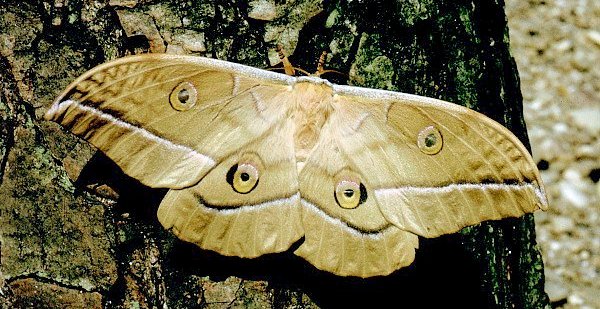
x=430 y=140
x=348 y=192
x=244 y=176
x=183 y=96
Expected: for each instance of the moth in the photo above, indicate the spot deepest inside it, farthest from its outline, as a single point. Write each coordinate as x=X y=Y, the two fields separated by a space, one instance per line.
x=256 y=161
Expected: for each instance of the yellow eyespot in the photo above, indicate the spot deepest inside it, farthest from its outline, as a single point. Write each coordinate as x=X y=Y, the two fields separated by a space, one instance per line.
x=184 y=96
x=348 y=194
x=243 y=177
x=430 y=140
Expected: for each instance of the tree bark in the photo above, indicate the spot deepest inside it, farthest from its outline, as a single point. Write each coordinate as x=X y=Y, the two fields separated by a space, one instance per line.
x=76 y=232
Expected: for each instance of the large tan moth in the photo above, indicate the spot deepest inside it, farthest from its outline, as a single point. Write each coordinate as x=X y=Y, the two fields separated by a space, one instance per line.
x=255 y=160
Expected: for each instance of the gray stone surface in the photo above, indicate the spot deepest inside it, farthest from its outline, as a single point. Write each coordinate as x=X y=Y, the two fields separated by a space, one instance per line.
x=557 y=49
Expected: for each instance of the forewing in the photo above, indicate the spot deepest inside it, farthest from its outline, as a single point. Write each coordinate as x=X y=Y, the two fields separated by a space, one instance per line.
x=125 y=109
x=481 y=172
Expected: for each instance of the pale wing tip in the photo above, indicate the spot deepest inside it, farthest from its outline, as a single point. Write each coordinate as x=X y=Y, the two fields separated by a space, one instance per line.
x=542 y=198
x=58 y=108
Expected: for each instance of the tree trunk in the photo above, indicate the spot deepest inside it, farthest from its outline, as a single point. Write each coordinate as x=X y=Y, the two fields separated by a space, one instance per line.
x=76 y=232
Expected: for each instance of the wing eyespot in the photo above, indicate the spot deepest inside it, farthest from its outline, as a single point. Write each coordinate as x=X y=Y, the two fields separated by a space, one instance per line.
x=184 y=96
x=349 y=193
x=243 y=178
x=430 y=140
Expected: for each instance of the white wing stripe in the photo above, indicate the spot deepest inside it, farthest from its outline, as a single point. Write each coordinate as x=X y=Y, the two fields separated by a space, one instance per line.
x=465 y=186
x=60 y=108
x=337 y=222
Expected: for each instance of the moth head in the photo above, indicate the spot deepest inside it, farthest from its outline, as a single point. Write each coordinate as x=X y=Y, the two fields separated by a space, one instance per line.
x=243 y=176
x=184 y=96
x=430 y=140
x=349 y=191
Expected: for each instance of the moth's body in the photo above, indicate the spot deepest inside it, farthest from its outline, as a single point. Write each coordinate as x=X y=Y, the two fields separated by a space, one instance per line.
x=255 y=161
x=311 y=109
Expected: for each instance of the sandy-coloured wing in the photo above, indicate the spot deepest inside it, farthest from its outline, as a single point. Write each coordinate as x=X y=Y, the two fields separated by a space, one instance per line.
x=391 y=166
x=355 y=241
x=434 y=167
x=214 y=132
x=247 y=219
x=166 y=120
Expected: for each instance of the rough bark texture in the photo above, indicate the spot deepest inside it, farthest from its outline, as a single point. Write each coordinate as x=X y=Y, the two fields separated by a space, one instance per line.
x=75 y=232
